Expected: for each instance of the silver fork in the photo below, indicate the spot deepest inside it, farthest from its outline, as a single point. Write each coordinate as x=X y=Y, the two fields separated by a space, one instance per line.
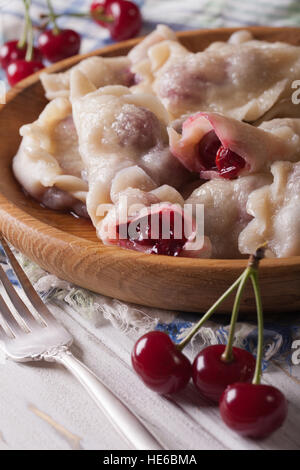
x=30 y=334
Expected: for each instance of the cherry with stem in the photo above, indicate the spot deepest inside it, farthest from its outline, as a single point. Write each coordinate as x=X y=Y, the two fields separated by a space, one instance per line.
x=253 y=409
x=23 y=67
x=57 y=44
x=15 y=49
x=160 y=363
x=217 y=366
x=96 y=13
x=122 y=18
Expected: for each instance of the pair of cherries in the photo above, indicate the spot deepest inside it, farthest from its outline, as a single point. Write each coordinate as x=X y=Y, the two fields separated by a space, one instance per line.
x=20 y=58
x=51 y=46
x=223 y=374
x=166 y=370
x=121 y=17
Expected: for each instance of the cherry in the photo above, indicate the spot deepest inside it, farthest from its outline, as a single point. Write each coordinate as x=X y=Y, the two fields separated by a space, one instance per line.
x=121 y=17
x=127 y=19
x=21 y=69
x=211 y=374
x=229 y=163
x=212 y=155
x=160 y=365
x=10 y=51
x=23 y=51
x=98 y=9
x=141 y=234
x=56 y=45
x=253 y=410
x=207 y=150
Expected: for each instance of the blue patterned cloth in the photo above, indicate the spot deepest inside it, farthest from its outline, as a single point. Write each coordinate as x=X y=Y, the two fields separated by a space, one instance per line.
x=279 y=334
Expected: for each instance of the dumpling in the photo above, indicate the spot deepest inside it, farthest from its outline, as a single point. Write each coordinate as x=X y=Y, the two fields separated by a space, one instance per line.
x=140 y=51
x=122 y=141
x=217 y=146
x=101 y=71
x=242 y=78
x=156 y=59
x=159 y=54
x=145 y=222
x=48 y=164
x=140 y=65
x=225 y=214
x=236 y=38
x=124 y=146
x=276 y=212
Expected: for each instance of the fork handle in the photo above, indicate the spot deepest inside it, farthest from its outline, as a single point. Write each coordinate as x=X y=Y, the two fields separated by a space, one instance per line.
x=124 y=421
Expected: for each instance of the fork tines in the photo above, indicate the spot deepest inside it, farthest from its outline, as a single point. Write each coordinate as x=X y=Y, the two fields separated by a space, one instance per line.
x=17 y=317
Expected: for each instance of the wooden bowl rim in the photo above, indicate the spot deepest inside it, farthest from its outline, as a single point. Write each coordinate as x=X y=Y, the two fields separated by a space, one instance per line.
x=168 y=261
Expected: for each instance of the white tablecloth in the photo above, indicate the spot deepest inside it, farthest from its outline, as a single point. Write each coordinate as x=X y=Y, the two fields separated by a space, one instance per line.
x=43 y=407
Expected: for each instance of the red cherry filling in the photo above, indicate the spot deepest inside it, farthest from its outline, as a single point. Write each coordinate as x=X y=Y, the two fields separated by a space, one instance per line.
x=211 y=375
x=161 y=233
x=253 y=410
x=212 y=155
x=207 y=150
x=160 y=365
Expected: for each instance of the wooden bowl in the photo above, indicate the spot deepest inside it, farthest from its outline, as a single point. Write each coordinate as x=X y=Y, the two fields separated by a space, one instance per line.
x=68 y=247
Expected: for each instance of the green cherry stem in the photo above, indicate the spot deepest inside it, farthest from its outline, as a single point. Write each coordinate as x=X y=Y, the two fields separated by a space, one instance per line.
x=209 y=312
x=227 y=356
x=260 y=326
x=252 y=273
x=53 y=17
x=96 y=15
x=29 y=51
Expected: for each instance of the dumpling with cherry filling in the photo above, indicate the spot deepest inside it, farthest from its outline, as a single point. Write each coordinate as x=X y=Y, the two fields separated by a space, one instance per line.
x=217 y=146
x=153 y=222
x=124 y=145
x=48 y=164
